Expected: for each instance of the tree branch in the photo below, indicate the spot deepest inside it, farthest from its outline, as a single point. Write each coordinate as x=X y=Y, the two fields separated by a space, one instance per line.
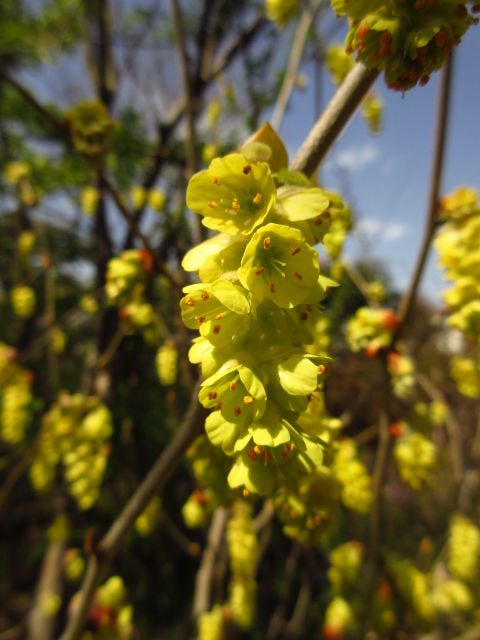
x=203 y=580
x=408 y=301
x=334 y=118
x=48 y=116
x=294 y=60
x=166 y=130
x=190 y=111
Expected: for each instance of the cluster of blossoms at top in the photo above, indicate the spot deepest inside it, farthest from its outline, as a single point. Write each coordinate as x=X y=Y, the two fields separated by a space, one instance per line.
x=457 y=243
x=260 y=288
x=407 y=39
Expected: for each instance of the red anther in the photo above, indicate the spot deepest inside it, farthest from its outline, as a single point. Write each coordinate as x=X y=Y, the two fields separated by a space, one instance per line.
x=272 y=288
x=396 y=429
x=331 y=632
x=204 y=295
x=389 y=321
x=371 y=350
x=216 y=329
x=123 y=314
x=461 y=11
x=146 y=257
x=200 y=497
x=363 y=31
x=385 y=591
x=246 y=169
x=212 y=395
x=441 y=39
x=422 y=51
x=424 y=80
x=252 y=455
x=12 y=355
x=265 y=455
x=28 y=376
x=393 y=360
x=385 y=39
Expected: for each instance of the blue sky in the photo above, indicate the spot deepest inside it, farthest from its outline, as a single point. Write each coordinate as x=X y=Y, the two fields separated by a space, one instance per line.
x=387 y=175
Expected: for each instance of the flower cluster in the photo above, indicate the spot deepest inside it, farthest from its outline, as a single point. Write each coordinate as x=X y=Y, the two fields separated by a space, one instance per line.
x=149 y=518
x=209 y=467
x=457 y=244
x=110 y=615
x=415 y=588
x=464 y=549
x=401 y=368
x=407 y=39
x=91 y=129
x=370 y=330
x=351 y=472
x=211 y=624
x=260 y=286
x=281 y=12
x=18 y=174
x=166 y=363
x=15 y=397
x=23 y=301
x=415 y=456
x=307 y=510
x=75 y=432
x=243 y=551
x=125 y=286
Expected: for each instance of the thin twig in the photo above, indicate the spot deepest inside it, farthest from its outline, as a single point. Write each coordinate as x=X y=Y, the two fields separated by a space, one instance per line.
x=203 y=580
x=408 y=301
x=152 y=484
x=134 y=228
x=41 y=622
x=334 y=118
x=190 y=111
x=294 y=60
x=28 y=96
x=178 y=537
x=173 y=119
x=454 y=429
x=278 y=618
